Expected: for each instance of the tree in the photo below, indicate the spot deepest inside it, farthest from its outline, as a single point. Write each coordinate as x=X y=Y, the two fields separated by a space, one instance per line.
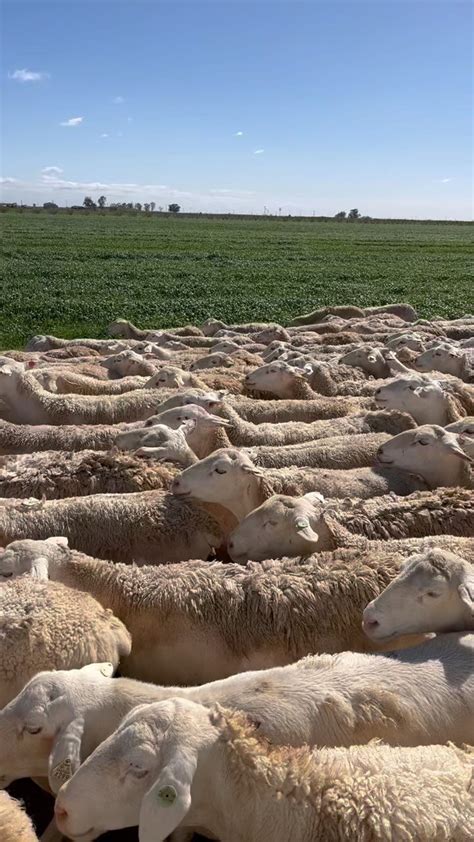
x=174 y=208
x=89 y=203
x=152 y=206
x=101 y=201
x=147 y=207
x=50 y=205
x=138 y=206
x=353 y=214
x=340 y=216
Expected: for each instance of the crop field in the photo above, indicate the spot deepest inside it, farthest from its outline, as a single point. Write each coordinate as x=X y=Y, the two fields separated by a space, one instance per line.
x=70 y=274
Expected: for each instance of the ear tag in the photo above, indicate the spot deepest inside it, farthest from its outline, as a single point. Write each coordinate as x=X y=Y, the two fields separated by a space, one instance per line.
x=63 y=771
x=107 y=670
x=302 y=523
x=167 y=795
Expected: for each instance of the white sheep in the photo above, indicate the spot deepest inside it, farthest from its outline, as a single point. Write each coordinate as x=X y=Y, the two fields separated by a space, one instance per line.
x=447 y=359
x=432 y=452
x=159 y=441
x=175 y=764
x=31 y=438
x=370 y=360
x=465 y=429
x=15 y=825
x=433 y=592
x=45 y=625
x=428 y=401
x=60 y=717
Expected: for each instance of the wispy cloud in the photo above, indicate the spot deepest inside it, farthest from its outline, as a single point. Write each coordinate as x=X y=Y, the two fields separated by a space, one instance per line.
x=104 y=134
x=129 y=119
x=25 y=75
x=72 y=122
x=51 y=171
x=238 y=134
x=118 y=100
x=10 y=181
x=446 y=180
x=259 y=151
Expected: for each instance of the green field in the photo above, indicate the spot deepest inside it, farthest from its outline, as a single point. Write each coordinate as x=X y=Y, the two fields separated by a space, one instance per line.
x=71 y=274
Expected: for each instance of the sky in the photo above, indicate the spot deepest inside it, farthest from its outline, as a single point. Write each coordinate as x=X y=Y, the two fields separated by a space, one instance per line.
x=308 y=106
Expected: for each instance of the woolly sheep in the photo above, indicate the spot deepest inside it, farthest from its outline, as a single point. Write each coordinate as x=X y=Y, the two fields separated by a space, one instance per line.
x=230 y=478
x=429 y=402
x=287 y=525
x=32 y=404
x=355 y=451
x=149 y=526
x=371 y=360
x=129 y=363
x=434 y=591
x=279 y=379
x=15 y=825
x=69 y=382
x=207 y=432
x=161 y=442
x=404 y=311
x=213 y=360
x=197 y=622
x=178 y=764
x=329 y=700
x=447 y=359
x=432 y=452
x=465 y=429
x=26 y=438
x=54 y=474
x=414 y=341
x=45 y=625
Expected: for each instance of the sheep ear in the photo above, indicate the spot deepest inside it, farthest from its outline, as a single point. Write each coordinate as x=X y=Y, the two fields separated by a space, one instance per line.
x=303 y=528
x=454 y=445
x=65 y=756
x=165 y=805
x=466 y=592
x=60 y=540
x=39 y=568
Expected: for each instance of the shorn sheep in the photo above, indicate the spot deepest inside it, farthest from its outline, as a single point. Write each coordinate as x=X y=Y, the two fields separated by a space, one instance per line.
x=288 y=526
x=197 y=622
x=15 y=825
x=177 y=764
x=433 y=592
x=149 y=526
x=340 y=699
x=45 y=625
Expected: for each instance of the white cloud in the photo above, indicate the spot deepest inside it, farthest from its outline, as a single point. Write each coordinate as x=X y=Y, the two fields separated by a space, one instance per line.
x=129 y=119
x=118 y=100
x=259 y=151
x=28 y=75
x=119 y=134
x=104 y=134
x=51 y=170
x=9 y=181
x=73 y=121
x=445 y=180
x=238 y=134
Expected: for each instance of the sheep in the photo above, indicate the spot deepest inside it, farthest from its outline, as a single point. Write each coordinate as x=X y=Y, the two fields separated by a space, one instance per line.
x=32 y=404
x=129 y=363
x=413 y=341
x=212 y=360
x=206 y=434
x=161 y=442
x=172 y=377
x=320 y=700
x=281 y=380
x=446 y=359
x=46 y=625
x=24 y=438
x=69 y=382
x=465 y=428
x=433 y=592
x=149 y=526
x=370 y=360
x=15 y=825
x=197 y=622
x=127 y=330
x=432 y=452
x=177 y=764
x=285 y=525
x=428 y=401
x=52 y=475
x=230 y=478
x=355 y=451
x=43 y=342
x=404 y=311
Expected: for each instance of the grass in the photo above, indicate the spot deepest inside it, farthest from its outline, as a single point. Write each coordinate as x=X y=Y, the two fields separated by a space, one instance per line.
x=71 y=274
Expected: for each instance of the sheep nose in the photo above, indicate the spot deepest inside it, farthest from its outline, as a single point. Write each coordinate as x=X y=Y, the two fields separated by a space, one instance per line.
x=230 y=545
x=371 y=624
x=60 y=812
x=175 y=486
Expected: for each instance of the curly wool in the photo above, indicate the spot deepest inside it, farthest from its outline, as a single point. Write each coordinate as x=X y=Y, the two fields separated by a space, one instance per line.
x=356 y=451
x=276 y=411
x=55 y=475
x=31 y=438
x=45 y=625
x=15 y=824
x=70 y=382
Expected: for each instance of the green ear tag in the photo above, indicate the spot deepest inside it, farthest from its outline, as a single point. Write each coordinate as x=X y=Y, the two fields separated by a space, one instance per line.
x=167 y=795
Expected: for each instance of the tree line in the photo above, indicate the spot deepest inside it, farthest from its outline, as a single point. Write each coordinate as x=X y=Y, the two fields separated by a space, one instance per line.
x=101 y=204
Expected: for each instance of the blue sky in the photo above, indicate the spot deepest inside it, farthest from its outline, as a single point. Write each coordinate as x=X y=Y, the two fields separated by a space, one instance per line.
x=235 y=105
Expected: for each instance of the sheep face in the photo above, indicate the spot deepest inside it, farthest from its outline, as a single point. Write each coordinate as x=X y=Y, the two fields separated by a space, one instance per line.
x=369 y=360
x=225 y=347
x=119 y=328
x=424 y=400
x=430 y=451
x=413 y=341
x=465 y=429
x=211 y=401
x=35 y=727
x=125 y=364
x=32 y=557
x=168 y=377
x=214 y=360
x=219 y=478
x=270 y=334
x=160 y=441
x=442 y=358
x=434 y=592
x=277 y=378
x=141 y=774
x=282 y=526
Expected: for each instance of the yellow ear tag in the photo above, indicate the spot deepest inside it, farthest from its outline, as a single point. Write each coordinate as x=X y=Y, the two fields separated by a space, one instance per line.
x=167 y=795
x=63 y=771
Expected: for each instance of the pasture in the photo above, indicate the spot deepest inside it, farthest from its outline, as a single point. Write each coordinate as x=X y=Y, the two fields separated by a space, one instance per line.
x=70 y=274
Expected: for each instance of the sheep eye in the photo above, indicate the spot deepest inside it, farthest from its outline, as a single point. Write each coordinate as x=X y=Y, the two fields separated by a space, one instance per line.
x=423 y=443
x=432 y=594
x=6 y=575
x=32 y=730
x=220 y=470
x=137 y=772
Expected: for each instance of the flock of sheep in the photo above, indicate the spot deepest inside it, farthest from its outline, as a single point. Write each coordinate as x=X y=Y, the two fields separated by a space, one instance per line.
x=268 y=533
